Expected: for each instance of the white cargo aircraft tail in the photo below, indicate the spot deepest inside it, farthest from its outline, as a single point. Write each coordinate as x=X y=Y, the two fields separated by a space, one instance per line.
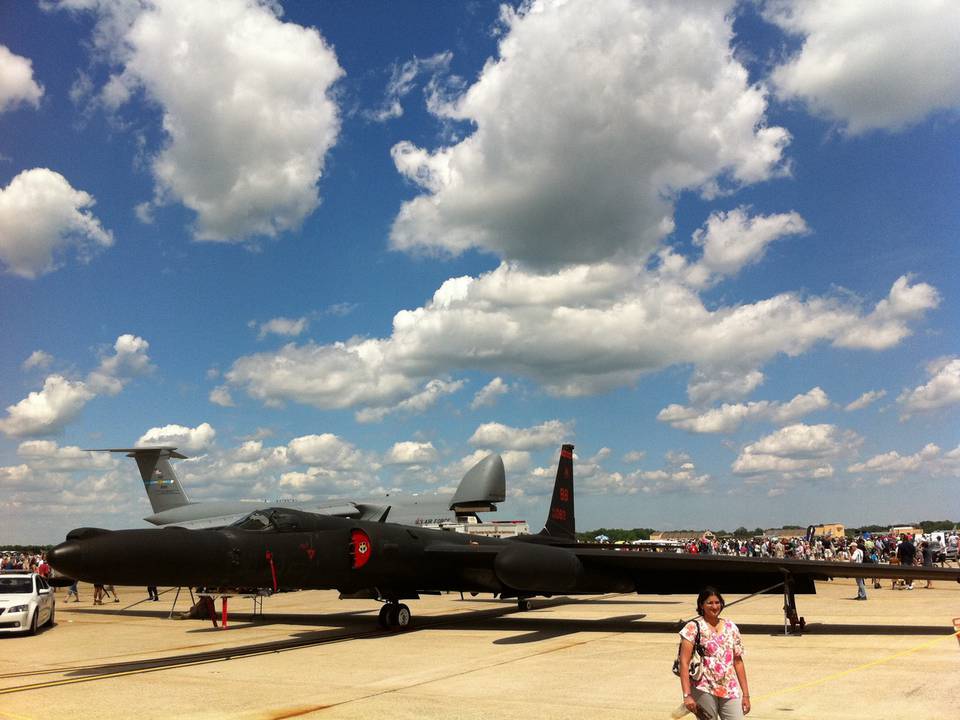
x=160 y=481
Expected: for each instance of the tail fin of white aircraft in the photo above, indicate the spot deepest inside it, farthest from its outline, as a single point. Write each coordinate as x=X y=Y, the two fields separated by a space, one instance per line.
x=483 y=485
x=159 y=480
x=561 y=522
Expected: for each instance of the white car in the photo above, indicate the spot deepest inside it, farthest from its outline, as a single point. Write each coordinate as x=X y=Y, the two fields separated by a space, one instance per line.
x=26 y=602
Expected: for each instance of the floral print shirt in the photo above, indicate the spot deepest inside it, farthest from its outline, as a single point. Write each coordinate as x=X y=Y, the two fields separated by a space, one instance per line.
x=719 y=650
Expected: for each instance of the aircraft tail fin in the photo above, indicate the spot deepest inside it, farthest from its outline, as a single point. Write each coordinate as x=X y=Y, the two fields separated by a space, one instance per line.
x=159 y=480
x=561 y=522
x=482 y=486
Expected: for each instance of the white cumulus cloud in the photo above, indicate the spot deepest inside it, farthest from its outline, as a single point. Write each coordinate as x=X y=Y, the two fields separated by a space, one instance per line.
x=194 y=439
x=548 y=434
x=129 y=360
x=41 y=217
x=46 y=411
x=403 y=79
x=327 y=450
x=17 y=85
x=678 y=475
x=411 y=453
x=590 y=119
x=627 y=321
x=729 y=417
x=870 y=64
x=341 y=375
x=489 y=393
x=888 y=323
x=247 y=110
x=796 y=451
x=868 y=398
x=708 y=384
x=730 y=241
x=894 y=462
x=221 y=396
x=48 y=456
x=942 y=390
x=284 y=326
x=417 y=403
x=38 y=359
x=60 y=400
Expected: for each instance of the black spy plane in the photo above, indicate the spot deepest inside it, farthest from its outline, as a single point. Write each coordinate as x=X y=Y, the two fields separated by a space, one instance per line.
x=286 y=549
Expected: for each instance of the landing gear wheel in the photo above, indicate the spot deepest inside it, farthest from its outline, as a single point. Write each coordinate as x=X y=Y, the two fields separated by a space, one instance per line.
x=523 y=605
x=382 y=620
x=391 y=615
x=402 y=616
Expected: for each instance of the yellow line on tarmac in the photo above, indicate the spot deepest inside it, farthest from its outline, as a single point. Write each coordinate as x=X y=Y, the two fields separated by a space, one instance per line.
x=843 y=673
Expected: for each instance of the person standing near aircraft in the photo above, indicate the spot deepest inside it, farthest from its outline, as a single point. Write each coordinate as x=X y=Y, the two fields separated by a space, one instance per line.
x=722 y=691
x=906 y=551
x=856 y=556
x=927 y=558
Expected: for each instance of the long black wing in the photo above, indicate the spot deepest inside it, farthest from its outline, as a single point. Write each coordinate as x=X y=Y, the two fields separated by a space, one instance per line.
x=607 y=570
x=655 y=572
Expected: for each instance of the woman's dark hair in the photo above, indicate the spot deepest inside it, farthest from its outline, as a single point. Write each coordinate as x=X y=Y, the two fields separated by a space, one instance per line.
x=704 y=594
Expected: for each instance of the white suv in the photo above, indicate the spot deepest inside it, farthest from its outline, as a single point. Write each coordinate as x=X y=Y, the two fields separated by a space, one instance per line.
x=26 y=602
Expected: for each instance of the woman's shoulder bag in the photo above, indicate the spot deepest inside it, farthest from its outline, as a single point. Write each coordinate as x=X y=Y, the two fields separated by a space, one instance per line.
x=696 y=658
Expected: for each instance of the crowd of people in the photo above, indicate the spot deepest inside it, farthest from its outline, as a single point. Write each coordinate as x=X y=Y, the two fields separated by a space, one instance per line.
x=31 y=562
x=37 y=562
x=875 y=548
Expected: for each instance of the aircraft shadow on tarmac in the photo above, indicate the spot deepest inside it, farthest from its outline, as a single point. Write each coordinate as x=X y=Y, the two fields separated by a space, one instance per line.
x=577 y=601
x=532 y=625
x=537 y=627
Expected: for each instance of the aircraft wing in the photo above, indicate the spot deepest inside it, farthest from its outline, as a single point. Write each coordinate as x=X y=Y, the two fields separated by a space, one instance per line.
x=668 y=572
x=662 y=572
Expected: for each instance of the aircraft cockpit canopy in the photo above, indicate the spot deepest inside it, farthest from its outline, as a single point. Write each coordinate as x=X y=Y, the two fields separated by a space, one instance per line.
x=282 y=520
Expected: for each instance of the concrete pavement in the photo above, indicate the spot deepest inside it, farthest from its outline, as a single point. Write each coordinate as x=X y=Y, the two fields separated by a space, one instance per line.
x=892 y=657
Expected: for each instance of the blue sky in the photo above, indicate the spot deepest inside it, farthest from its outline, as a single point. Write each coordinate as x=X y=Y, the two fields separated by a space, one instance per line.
x=338 y=248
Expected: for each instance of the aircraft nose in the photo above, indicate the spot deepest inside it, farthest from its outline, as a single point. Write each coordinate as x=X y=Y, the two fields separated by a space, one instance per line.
x=67 y=558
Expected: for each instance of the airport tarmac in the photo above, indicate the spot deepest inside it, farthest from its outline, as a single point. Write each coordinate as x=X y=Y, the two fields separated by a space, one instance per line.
x=313 y=655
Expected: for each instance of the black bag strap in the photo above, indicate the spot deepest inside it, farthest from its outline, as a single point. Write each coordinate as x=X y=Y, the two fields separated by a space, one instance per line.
x=696 y=643
x=697 y=646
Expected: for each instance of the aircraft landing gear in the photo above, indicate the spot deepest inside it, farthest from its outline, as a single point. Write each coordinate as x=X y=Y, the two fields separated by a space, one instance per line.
x=524 y=604
x=797 y=623
x=394 y=615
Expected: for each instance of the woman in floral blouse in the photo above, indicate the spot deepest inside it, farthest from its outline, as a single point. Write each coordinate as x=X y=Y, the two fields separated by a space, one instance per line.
x=721 y=691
